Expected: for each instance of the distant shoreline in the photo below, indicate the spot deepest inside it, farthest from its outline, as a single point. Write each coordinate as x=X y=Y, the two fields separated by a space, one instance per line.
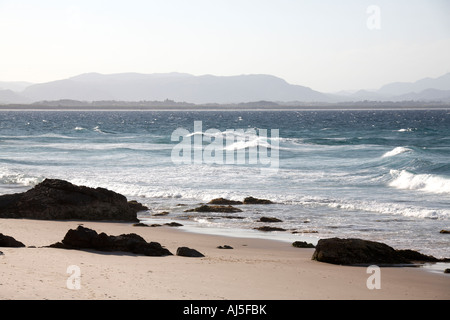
x=355 y=107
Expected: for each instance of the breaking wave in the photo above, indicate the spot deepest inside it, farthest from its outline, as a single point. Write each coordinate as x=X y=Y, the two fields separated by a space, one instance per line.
x=403 y=179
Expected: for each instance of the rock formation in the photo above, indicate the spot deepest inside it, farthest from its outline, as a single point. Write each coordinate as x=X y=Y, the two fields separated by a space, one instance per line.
x=10 y=242
x=84 y=238
x=364 y=252
x=60 y=200
x=207 y=208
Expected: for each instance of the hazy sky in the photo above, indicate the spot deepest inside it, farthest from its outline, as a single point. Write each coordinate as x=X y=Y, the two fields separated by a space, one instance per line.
x=327 y=45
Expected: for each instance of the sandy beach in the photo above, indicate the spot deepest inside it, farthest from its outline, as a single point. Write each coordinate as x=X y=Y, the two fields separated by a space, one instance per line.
x=255 y=269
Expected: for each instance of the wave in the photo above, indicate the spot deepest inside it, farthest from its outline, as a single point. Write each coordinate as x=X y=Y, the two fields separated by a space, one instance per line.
x=258 y=142
x=422 y=182
x=396 y=151
x=102 y=131
x=16 y=178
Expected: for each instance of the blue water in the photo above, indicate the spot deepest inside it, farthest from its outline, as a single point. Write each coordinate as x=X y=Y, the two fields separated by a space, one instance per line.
x=378 y=175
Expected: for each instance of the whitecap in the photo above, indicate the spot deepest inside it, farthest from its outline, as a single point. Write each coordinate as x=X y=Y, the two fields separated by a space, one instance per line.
x=396 y=151
x=422 y=182
x=16 y=178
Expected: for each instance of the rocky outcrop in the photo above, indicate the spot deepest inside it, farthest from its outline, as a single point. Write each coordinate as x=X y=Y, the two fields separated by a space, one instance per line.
x=248 y=200
x=225 y=202
x=60 y=200
x=269 y=219
x=84 y=238
x=188 y=252
x=251 y=200
x=10 y=242
x=226 y=247
x=207 y=208
x=268 y=229
x=302 y=244
x=364 y=252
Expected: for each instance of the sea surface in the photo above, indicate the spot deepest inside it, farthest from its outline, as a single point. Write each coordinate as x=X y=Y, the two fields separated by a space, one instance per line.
x=377 y=175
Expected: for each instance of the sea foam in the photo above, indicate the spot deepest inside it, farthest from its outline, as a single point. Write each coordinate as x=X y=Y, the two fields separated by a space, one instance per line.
x=422 y=182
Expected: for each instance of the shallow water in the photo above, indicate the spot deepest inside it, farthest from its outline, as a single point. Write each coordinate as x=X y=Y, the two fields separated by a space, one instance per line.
x=377 y=175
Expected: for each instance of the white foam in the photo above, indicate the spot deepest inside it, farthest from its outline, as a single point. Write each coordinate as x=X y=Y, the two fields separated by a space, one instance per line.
x=422 y=182
x=17 y=178
x=258 y=142
x=396 y=151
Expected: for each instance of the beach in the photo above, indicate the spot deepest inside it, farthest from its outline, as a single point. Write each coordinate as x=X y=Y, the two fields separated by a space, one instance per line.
x=255 y=269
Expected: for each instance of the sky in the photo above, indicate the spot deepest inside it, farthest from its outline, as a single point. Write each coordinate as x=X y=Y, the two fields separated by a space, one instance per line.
x=326 y=45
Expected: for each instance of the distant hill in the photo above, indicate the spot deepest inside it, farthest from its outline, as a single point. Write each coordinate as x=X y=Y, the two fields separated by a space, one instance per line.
x=9 y=96
x=181 y=89
x=15 y=86
x=401 y=88
x=174 y=86
x=428 y=89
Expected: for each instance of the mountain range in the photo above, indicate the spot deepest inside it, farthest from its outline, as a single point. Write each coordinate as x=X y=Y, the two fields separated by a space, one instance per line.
x=208 y=89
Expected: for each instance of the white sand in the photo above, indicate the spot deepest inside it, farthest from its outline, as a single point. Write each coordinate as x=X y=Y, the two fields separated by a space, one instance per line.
x=254 y=270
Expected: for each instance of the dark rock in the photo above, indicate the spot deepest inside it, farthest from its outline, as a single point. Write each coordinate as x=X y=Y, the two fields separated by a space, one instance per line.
x=447 y=271
x=364 y=252
x=161 y=214
x=356 y=251
x=251 y=200
x=173 y=224
x=445 y=231
x=60 y=200
x=302 y=244
x=140 y=224
x=83 y=238
x=207 y=208
x=1 y=253
x=10 y=242
x=138 y=207
x=232 y=217
x=415 y=256
x=188 y=252
x=269 y=219
x=225 y=247
x=222 y=201
x=305 y=231
x=267 y=229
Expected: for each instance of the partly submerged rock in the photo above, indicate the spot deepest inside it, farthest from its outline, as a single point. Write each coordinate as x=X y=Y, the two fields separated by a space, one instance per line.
x=61 y=200
x=269 y=219
x=268 y=229
x=251 y=200
x=173 y=224
x=10 y=242
x=207 y=208
x=84 y=238
x=364 y=252
x=222 y=201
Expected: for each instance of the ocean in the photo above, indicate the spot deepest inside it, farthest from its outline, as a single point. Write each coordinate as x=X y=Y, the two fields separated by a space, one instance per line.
x=381 y=175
